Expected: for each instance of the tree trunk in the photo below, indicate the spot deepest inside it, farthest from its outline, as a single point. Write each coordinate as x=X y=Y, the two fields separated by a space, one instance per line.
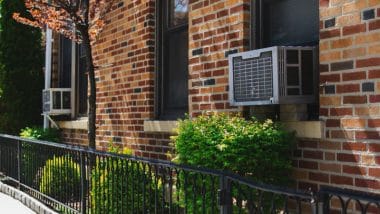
x=92 y=84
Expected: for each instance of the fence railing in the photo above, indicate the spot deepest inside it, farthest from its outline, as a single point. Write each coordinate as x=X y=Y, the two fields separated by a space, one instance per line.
x=74 y=179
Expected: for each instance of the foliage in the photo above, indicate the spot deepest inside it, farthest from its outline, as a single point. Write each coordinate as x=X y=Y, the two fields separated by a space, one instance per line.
x=32 y=159
x=39 y=133
x=80 y=21
x=120 y=185
x=69 y=18
x=261 y=151
x=61 y=179
x=258 y=150
x=21 y=74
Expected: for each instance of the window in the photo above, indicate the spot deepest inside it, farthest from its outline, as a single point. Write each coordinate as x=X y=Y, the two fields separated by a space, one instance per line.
x=173 y=59
x=82 y=82
x=287 y=23
x=67 y=71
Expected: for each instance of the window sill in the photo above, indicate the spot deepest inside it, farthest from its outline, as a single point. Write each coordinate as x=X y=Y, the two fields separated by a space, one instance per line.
x=160 y=126
x=81 y=123
x=306 y=129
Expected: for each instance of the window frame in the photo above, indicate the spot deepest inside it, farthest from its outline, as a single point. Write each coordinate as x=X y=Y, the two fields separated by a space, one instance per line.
x=74 y=80
x=163 y=27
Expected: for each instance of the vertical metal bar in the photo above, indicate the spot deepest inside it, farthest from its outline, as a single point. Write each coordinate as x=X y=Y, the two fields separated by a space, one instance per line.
x=212 y=194
x=225 y=201
x=19 y=163
x=83 y=182
x=203 y=193
x=144 y=187
x=1 y=158
x=170 y=190
x=326 y=203
x=314 y=204
x=48 y=58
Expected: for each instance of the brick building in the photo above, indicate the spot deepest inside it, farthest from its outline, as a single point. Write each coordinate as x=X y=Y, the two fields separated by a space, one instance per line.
x=158 y=60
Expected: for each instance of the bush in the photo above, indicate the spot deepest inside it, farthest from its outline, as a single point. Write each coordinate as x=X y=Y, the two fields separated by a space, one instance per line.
x=121 y=186
x=39 y=133
x=34 y=157
x=61 y=179
x=258 y=150
x=261 y=151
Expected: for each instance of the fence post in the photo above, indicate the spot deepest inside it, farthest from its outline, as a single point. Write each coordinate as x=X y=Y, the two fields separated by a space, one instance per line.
x=325 y=198
x=1 y=158
x=83 y=183
x=19 y=156
x=314 y=203
x=224 y=194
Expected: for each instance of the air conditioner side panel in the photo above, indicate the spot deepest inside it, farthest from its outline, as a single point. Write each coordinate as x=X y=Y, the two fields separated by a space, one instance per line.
x=275 y=76
x=231 y=81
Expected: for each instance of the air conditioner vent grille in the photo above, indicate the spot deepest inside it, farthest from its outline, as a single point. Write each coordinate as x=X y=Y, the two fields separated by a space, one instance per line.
x=46 y=101
x=253 y=79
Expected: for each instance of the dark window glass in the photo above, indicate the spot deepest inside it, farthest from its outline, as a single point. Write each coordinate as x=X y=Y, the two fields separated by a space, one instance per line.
x=66 y=100
x=292 y=56
x=293 y=91
x=292 y=76
x=57 y=100
x=289 y=22
x=64 y=62
x=82 y=81
x=178 y=12
x=307 y=72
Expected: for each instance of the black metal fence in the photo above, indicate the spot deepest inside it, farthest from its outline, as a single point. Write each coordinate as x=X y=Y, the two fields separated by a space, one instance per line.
x=73 y=179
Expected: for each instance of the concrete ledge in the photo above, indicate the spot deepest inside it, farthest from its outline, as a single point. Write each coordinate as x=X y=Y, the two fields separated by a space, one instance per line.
x=160 y=126
x=25 y=199
x=306 y=129
x=74 y=124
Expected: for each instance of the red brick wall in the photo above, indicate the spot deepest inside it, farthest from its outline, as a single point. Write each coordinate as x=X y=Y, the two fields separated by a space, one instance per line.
x=74 y=136
x=216 y=28
x=350 y=71
x=125 y=90
x=349 y=99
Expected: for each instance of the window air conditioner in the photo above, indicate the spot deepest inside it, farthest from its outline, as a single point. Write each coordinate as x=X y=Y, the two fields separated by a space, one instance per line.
x=56 y=101
x=275 y=75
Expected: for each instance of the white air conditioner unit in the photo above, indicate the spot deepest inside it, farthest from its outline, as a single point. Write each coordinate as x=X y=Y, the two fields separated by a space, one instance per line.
x=275 y=75
x=56 y=101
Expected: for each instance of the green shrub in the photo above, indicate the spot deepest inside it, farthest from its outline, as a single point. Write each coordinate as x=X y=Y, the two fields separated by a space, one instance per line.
x=61 y=179
x=258 y=150
x=39 y=133
x=121 y=186
x=33 y=155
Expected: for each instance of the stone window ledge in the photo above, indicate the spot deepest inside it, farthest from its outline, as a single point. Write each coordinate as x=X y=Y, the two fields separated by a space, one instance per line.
x=304 y=129
x=160 y=126
x=81 y=123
